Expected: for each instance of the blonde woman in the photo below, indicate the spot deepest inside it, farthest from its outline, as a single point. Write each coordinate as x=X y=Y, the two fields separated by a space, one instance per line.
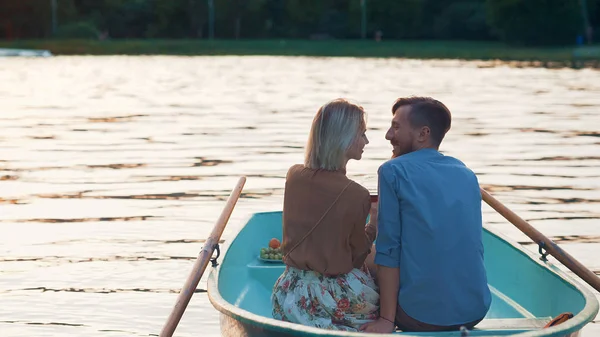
x=325 y=236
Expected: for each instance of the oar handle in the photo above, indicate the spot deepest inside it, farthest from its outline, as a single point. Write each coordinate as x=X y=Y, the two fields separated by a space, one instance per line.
x=201 y=262
x=565 y=258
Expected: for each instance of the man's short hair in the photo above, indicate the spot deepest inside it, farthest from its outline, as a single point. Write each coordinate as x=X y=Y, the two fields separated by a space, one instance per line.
x=426 y=111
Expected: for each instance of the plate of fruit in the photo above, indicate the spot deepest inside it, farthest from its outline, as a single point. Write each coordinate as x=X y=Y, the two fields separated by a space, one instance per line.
x=273 y=253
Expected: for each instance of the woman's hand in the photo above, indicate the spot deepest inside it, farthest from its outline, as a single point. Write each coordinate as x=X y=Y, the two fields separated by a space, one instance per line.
x=373 y=214
x=379 y=326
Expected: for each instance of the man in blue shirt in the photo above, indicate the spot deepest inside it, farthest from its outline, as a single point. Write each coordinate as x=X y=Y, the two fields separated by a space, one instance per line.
x=429 y=250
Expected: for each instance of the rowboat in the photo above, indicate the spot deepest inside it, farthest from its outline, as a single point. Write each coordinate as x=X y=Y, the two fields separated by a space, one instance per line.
x=5 y=52
x=527 y=292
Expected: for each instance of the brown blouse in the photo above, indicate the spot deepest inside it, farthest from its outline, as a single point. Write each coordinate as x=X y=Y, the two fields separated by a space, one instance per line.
x=341 y=241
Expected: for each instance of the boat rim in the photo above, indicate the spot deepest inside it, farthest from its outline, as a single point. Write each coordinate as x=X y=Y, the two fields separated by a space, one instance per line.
x=576 y=323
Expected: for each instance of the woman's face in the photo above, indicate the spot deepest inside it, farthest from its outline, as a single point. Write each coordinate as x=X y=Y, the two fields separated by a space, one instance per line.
x=357 y=148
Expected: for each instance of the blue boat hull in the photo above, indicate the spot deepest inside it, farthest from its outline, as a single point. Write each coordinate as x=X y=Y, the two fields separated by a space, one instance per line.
x=526 y=292
x=231 y=327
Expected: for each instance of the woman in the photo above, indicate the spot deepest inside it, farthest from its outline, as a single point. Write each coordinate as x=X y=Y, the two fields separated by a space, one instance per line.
x=325 y=240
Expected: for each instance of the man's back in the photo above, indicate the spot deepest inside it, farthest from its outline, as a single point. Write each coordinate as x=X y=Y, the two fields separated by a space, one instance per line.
x=431 y=228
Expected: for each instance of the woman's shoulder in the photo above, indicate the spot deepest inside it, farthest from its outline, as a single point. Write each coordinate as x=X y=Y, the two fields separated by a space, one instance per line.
x=296 y=167
x=358 y=198
x=358 y=189
x=294 y=170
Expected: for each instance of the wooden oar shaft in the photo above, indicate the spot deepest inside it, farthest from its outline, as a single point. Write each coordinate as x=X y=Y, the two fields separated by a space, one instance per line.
x=201 y=262
x=539 y=238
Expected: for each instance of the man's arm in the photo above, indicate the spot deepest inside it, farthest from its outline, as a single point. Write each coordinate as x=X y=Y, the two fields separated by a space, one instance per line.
x=389 y=283
x=387 y=255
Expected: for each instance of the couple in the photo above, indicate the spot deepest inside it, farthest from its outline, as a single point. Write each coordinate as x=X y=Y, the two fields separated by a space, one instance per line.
x=425 y=271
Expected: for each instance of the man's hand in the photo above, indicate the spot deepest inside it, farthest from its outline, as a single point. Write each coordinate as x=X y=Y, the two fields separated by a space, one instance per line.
x=379 y=326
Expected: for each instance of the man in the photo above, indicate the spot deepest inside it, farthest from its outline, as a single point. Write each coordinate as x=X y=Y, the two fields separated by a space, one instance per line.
x=429 y=250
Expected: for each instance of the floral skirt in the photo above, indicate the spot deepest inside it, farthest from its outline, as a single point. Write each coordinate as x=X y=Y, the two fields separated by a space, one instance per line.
x=343 y=302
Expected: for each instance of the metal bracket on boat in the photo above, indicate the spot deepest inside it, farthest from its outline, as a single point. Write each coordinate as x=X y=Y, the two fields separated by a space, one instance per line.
x=214 y=259
x=542 y=250
x=464 y=332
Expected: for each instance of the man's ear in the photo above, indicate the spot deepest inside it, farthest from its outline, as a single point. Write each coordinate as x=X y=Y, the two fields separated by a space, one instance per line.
x=424 y=134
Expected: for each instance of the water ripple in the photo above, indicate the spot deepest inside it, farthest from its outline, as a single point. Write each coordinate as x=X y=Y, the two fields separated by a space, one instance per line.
x=506 y=188
x=69 y=259
x=169 y=196
x=116 y=168
x=64 y=220
x=100 y=290
x=43 y=323
x=116 y=119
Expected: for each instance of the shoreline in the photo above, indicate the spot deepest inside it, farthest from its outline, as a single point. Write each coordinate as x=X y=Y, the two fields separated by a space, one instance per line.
x=575 y=57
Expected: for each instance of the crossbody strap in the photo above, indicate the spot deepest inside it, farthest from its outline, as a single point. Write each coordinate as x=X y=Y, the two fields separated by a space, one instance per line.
x=318 y=222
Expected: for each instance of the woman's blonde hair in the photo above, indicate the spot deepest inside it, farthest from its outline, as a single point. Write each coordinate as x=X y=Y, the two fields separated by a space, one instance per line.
x=334 y=129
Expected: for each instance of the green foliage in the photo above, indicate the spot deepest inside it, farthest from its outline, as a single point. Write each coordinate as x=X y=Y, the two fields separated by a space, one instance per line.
x=594 y=17
x=472 y=50
x=129 y=18
x=240 y=18
x=525 y=22
x=536 y=22
x=397 y=19
x=162 y=23
x=465 y=20
x=33 y=18
x=78 y=30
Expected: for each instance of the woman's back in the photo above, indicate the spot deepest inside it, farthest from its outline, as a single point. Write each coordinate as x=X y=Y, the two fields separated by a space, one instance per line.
x=339 y=242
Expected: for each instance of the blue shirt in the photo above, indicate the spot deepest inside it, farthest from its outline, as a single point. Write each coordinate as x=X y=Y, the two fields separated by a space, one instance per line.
x=430 y=226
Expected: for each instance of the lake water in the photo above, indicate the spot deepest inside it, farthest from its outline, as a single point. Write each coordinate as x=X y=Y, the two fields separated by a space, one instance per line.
x=114 y=169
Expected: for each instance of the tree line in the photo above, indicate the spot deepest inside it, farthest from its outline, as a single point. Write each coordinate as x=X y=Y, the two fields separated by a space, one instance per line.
x=519 y=22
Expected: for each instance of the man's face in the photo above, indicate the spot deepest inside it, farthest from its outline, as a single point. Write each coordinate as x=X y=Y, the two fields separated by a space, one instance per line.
x=401 y=134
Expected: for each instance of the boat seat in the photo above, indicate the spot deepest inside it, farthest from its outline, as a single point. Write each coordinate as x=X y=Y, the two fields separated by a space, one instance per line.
x=512 y=323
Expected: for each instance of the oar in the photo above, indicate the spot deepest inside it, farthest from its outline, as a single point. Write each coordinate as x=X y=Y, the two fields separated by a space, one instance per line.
x=201 y=262
x=539 y=238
